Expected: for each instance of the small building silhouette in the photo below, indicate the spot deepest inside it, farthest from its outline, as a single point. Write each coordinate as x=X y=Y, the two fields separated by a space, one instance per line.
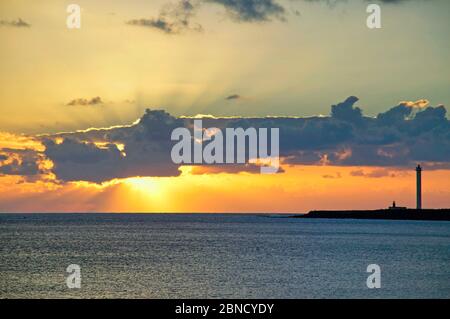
x=395 y=207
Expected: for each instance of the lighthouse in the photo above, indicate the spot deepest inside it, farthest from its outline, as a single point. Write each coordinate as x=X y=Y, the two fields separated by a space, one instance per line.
x=419 y=186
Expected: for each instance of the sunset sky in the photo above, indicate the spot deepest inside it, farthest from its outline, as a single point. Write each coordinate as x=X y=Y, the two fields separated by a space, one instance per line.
x=76 y=135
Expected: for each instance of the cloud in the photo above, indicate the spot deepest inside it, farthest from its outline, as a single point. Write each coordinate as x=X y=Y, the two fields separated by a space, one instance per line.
x=159 y=23
x=22 y=156
x=330 y=176
x=378 y=173
x=172 y=19
x=175 y=18
x=82 y=101
x=373 y=174
x=346 y=111
x=19 y=23
x=27 y=167
x=396 y=138
x=233 y=97
x=21 y=142
x=391 y=139
x=394 y=115
x=98 y=155
x=417 y=104
x=20 y=162
x=252 y=10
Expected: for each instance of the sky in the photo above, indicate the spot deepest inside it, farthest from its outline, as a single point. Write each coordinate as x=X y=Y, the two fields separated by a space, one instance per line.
x=86 y=114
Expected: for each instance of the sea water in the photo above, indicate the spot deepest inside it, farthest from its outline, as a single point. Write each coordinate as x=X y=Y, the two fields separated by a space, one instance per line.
x=220 y=256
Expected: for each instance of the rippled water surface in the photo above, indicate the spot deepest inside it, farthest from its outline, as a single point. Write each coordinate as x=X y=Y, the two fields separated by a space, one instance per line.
x=220 y=256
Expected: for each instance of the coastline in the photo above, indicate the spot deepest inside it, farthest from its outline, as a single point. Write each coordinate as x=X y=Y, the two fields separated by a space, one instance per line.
x=390 y=214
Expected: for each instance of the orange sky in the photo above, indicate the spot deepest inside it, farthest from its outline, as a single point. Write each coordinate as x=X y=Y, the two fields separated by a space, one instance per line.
x=298 y=189
x=293 y=65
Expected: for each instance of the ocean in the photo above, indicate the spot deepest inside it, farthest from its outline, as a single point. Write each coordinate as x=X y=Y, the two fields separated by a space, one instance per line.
x=220 y=256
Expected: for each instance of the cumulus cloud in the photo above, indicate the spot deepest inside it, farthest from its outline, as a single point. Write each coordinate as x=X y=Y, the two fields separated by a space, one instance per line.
x=19 y=23
x=82 y=101
x=346 y=111
x=142 y=149
x=76 y=160
x=20 y=162
x=27 y=167
x=395 y=138
x=391 y=139
x=395 y=115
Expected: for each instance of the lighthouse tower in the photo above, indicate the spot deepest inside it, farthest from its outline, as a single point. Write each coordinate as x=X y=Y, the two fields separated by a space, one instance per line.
x=419 y=186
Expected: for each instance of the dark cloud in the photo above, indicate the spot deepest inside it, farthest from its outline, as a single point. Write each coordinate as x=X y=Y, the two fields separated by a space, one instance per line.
x=172 y=19
x=175 y=18
x=407 y=134
x=395 y=115
x=346 y=111
x=391 y=139
x=349 y=138
x=25 y=168
x=71 y=150
x=95 y=156
x=233 y=97
x=19 y=162
x=81 y=101
x=252 y=10
x=158 y=23
x=19 y=23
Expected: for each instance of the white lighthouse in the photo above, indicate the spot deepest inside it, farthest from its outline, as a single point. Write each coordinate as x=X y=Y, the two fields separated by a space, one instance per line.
x=419 y=186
